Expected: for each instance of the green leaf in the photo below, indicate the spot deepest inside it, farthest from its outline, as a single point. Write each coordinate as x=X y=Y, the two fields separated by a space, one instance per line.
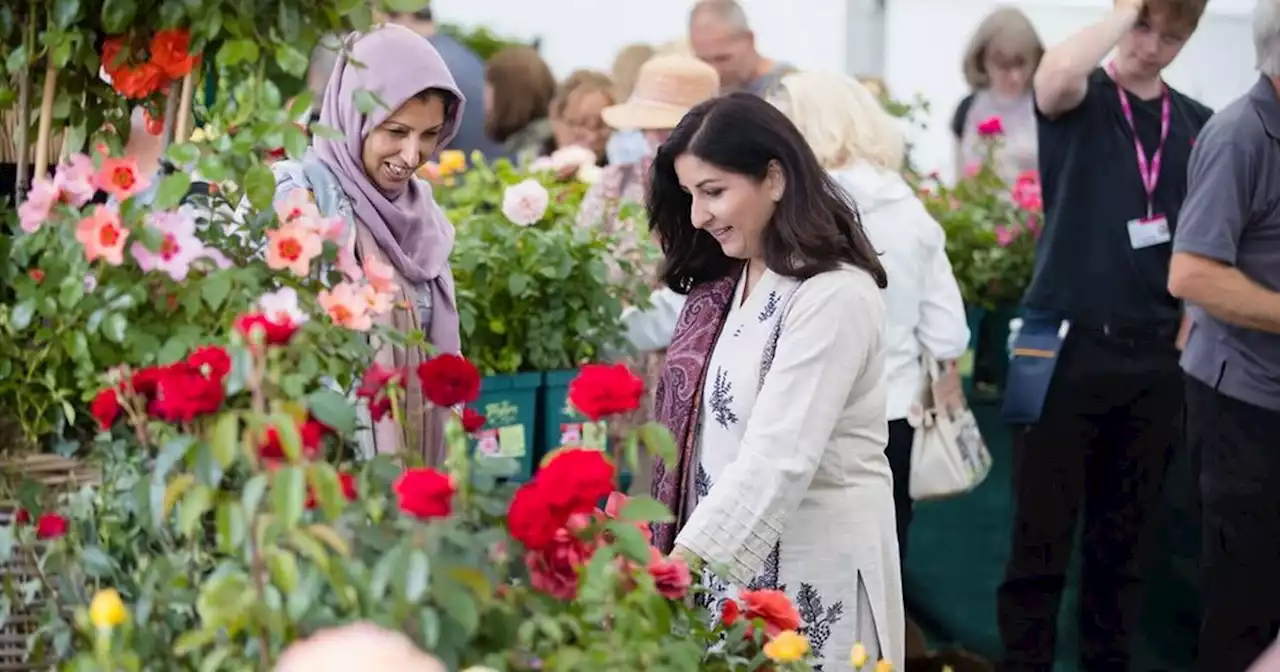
x=417 y=576
x=323 y=131
x=238 y=51
x=283 y=567
x=195 y=504
x=405 y=6
x=117 y=15
x=334 y=410
x=384 y=571
x=212 y=168
x=645 y=510
x=517 y=283
x=253 y=492
x=291 y=60
x=172 y=189
x=115 y=327
x=216 y=287
x=260 y=186
x=657 y=438
x=366 y=101
x=458 y=604
x=22 y=313
x=194 y=640
x=629 y=540
x=301 y=104
x=172 y=452
x=183 y=154
x=327 y=487
x=225 y=439
x=17 y=59
x=289 y=494
x=231 y=526
x=96 y=562
x=290 y=439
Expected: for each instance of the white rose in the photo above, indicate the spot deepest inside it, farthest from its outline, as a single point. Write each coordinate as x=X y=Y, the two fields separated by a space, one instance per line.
x=589 y=173
x=572 y=156
x=525 y=203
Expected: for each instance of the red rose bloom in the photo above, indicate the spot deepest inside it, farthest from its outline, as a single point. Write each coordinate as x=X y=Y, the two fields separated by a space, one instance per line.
x=312 y=433
x=348 y=483
x=576 y=479
x=729 y=613
x=449 y=380
x=170 y=49
x=183 y=393
x=472 y=421
x=21 y=517
x=373 y=389
x=211 y=361
x=990 y=127
x=111 y=48
x=51 y=526
x=773 y=607
x=139 y=81
x=274 y=333
x=425 y=493
x=530 y=519
x=602 y=390
x=105 y=408
x=554 y=569
x=670 y=575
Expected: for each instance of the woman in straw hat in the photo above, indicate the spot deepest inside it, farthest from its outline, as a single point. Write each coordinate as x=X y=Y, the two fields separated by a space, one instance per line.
x=665 y=89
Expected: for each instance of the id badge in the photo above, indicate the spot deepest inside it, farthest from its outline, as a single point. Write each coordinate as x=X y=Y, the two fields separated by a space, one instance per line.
x=1149 y=231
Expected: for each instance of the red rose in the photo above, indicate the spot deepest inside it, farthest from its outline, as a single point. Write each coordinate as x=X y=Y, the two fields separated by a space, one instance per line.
x=449 y=380
x=21 y=517
x=991 y=127
x=51 y=526
x=111 y=48
x=555 y=569
x=184 y=393
x=773 y=607
x=576 y=479
x=139 y=81
x=373 y=388
x=171 y=50
x=729 y=613
x=311 y=432
x=425 y=493
x=472 y=421
x=530 y=519
x=670 y=575
x=602 y=390
x=105 y=408
x=211 y=361
x=273 y=333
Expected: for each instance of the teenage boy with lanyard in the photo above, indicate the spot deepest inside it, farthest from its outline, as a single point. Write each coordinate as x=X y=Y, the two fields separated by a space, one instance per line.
x=1114 y=143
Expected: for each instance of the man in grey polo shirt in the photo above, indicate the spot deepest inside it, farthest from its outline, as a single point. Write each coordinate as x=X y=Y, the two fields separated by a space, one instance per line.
x=1226 y=266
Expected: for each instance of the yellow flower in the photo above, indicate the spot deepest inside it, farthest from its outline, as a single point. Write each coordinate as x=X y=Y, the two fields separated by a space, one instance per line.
x=858 y=656
x=788 y=646
x=883 y=665
x=452 y=161
x=107 y=610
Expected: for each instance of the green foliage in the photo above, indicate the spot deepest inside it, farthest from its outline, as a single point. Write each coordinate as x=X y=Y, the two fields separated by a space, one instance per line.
x=480 y=40
x=540 y=297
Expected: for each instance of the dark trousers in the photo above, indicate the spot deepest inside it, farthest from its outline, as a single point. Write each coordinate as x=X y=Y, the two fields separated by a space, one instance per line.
x=1102 y=443
x=901 y=436
x=1237 y=446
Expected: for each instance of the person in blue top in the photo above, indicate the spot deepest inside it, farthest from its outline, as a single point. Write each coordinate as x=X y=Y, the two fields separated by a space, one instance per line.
x=467 y=69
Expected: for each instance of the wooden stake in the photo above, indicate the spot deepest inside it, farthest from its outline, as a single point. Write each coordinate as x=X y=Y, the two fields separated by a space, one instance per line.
x=183 y=129
x=170 y=116
x=46 y=119
x=23 y=181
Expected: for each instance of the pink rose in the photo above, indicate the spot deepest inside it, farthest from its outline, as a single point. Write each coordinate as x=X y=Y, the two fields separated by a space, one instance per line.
x=554 y=569
x=670 y=575
x=525 y=203
x=991 y=127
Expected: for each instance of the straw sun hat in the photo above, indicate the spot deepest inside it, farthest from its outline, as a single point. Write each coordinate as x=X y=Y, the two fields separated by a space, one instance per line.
x=666 y=88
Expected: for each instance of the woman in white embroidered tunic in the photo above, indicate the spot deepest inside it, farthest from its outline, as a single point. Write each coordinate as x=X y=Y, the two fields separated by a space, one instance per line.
x=774 y=381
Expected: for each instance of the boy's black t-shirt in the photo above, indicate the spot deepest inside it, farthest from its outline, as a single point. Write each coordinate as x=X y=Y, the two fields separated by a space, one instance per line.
x=1086 y=269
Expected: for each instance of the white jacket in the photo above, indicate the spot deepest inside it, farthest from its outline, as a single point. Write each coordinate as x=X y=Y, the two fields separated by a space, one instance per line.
x=923 y=299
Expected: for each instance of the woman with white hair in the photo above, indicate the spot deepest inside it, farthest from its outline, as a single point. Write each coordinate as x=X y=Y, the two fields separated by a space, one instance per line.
x=861 y=146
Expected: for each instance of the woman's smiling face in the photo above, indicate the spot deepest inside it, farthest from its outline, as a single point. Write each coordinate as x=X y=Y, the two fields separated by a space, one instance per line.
x=403 y=142
x=732 y=208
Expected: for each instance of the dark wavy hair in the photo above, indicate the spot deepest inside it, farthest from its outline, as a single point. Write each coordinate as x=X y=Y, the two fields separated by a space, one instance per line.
x=815 y=227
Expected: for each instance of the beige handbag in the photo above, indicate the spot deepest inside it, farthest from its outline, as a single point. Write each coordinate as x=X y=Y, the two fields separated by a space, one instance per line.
x=948 y=454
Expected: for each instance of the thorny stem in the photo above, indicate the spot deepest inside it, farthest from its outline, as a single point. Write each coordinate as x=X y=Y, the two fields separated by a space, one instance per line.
x=258 y=571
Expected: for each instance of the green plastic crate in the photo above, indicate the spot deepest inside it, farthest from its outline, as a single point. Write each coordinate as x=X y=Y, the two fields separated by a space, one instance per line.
x=563 y=425
x=510 y=406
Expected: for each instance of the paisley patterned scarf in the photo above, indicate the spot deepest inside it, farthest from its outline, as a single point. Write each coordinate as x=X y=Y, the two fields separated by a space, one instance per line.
x=679 y=395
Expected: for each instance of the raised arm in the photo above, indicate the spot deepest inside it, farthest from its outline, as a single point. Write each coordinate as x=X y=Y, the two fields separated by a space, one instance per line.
x=1062 y=79
x=829 y=335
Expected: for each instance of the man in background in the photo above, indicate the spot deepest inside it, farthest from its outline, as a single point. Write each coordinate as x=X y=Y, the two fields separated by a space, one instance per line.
x=721 y=37
x=468 y=71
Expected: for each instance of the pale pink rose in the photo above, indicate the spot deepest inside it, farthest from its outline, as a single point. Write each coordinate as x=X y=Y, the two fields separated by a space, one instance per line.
x=296 y=205
x=348 y=264
x=179 y=245
x=972 y=169
x=589 y=173
x=525 y=203
x=75 y=180
x=35 y=210
x=542 y=164
x=359 y=646
x=381 y=276
x=281 y=306
x=671 y=576
x=571 y=158
x=379 y=303
x=347 y=306
x=103 y=235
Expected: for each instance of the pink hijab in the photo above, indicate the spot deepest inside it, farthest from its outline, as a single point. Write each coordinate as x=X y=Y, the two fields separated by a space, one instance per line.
x=395 y=64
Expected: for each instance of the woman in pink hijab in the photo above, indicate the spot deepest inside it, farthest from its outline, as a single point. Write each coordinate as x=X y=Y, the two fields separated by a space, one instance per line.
x=368 y=177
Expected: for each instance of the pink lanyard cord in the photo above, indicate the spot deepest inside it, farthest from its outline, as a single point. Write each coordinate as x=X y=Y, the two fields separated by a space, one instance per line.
x=1149 y=172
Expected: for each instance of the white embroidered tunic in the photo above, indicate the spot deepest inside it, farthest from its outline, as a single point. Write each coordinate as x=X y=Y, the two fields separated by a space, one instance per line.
x=793 y=490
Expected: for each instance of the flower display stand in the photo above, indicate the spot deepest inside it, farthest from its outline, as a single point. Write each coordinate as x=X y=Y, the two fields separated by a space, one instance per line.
x=563 y=425
x=510 y=406
x=59 y=475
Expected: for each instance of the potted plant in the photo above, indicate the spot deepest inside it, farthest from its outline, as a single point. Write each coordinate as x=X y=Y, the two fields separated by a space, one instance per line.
x=536 y=296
